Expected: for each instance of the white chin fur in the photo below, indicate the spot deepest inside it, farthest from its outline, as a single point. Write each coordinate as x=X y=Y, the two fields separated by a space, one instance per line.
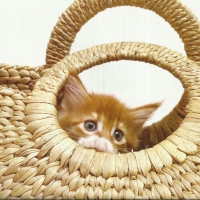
x=98 y=143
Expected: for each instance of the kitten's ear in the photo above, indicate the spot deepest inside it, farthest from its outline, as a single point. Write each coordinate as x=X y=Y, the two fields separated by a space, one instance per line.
x=142 y=113
x=75 y=93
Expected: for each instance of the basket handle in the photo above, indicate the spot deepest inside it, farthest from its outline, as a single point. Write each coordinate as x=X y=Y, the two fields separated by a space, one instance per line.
x=80 y=11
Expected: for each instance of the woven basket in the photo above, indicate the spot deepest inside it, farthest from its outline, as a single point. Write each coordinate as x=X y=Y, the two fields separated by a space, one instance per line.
x=39 y=160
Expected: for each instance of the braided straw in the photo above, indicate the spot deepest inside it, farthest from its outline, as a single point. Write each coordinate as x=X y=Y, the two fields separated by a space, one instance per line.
x=39 y=160
x=19 y=78
x=48 y=164
x=80 y=11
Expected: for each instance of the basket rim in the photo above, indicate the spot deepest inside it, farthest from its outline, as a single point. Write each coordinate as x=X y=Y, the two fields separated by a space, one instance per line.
x=48 y=86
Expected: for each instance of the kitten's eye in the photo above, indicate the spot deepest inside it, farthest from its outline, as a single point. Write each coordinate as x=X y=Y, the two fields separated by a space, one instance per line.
x=118 y=135
x=90 y=126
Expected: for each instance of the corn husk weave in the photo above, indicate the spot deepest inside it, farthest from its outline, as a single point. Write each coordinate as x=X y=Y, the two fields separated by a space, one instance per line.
x=39 y=160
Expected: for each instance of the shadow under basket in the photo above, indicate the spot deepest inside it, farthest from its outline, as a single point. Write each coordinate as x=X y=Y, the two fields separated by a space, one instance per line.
x=39 y=160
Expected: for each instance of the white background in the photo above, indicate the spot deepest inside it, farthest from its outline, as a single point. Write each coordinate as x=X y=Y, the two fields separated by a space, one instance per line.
x=26 y=25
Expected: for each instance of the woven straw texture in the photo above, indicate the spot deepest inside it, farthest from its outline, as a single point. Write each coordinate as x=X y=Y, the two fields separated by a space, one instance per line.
x=39 y=160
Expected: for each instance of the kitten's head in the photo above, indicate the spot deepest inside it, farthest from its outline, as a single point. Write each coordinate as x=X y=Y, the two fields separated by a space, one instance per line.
x=101 y=121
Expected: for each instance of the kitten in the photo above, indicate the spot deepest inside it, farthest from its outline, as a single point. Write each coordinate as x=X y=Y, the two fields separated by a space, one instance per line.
x=101 y=121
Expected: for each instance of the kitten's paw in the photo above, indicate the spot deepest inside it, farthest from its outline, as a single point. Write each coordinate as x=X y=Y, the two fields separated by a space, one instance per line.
x=98 y=143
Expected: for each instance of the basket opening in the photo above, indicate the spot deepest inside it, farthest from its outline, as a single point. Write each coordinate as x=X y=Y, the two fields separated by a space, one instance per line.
x=135 y=84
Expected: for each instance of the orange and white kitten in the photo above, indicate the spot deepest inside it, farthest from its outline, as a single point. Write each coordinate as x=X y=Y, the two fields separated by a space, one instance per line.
x=101 y=121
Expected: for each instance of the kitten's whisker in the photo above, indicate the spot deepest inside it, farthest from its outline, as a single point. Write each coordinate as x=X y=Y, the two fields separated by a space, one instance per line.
x=76 y=138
